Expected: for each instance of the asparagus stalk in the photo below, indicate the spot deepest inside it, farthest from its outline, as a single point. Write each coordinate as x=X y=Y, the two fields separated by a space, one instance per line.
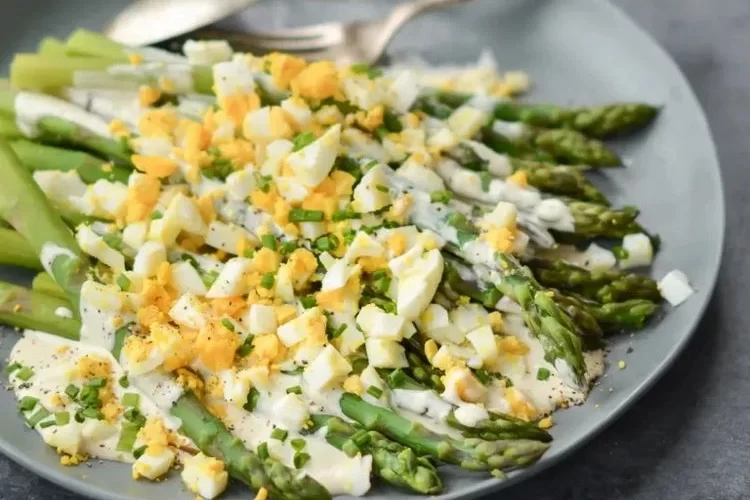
x=14 y=251
x=496 y=428
x=471 y=454
x=393 y=462
x=563 y=180
x=91 y=169
x=597 y=221
x=24 y=308
x=595 y=121
x=601 y=286
x=43 y=283
x=61 y=131
x=614 y=317
x=213 y=438
x=25 y=207
x=462 y=280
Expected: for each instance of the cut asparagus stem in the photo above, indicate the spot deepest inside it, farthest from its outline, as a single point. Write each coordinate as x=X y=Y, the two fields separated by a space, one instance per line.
x=44 y=283
x=14 y=251
x=25 y=207
x=91 y=169
x=51 y=46
x=213 y=438
x=392 y=461
x=601 y=286
x=471 y=454
x=24 y=308
x=8 y=128
x=45 y=72
x=93 y=44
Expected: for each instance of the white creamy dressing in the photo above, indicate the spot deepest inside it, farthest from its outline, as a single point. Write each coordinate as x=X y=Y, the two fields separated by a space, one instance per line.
x=98 y=324
x=425 y=408
x=31 y=107
x=545 y=395
x=497 y=164
x=332 y=468
x=53 y=361
x=180 y=74
x=49 y=254
x=63 y=312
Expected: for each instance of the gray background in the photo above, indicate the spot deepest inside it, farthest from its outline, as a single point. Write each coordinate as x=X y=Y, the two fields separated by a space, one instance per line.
x=688 y=437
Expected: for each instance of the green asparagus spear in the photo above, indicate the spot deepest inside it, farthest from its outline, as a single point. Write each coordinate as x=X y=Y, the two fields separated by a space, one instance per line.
x=471 y=454
x=24 y=308
x=43 y=283
x=563 y=180
x=14 y=250
x=25 y=207
x=392 y=461
x=91 y=169
x=595 y=121
x=213 y=438
x=601 y=286
x=598 y=221
x=628 y=315
x=570 y=146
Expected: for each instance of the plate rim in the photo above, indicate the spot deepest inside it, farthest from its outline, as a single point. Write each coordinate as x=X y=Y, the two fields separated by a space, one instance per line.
x=487 y=486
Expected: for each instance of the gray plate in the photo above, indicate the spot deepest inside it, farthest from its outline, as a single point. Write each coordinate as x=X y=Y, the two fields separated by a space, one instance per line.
x=582 y=51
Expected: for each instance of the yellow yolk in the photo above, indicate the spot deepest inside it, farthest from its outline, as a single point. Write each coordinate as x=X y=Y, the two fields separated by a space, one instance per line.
x=519 y=178
x=400 y=208
x=206 y=207
x=430 y=349
x=155 y=434
x=318 y=81
x=372 y=264
x=396 y=244
x=157 y=294
x=266 y=260
x=157 y=123
x=285 y=313
x=150 y=315
x=142 y=196
x=500 y=239
x=371 y=119
x=266 y=349
x=118 y=128
x=148 y=95
x=236 y=106
x=511 y=345
x=354 y=385
x=216 y=346
x=90 y=366
x=135 y=59
x=343 y=181
x=519 y=406
x=229 y=306
x=187 y=379
x=156 y=166
x=284 y=68
x=496 y=321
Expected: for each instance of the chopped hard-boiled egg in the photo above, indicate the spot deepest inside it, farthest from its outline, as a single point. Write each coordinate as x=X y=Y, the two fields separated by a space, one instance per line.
x=208 y=52
x=149 y=257
x=385 y=353
x=154 y=462
x=292 y=411
x=327 y=369
x=675 y=287
x=373 y=191
x=187 y=279
x=638 y=251
x=205 y=476
x=231 y=281
x=376 y=323
x=228 y=237
x=94 y=245
x=310 y=325
x=313 y=163
x=419 y=175
x=261 y=319
x=465 y=122
x=436 y=324
x=483 y=341
x=188 y=311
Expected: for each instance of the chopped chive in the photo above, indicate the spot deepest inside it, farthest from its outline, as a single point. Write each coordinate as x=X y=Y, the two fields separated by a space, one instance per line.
x=246 y=347
x=37 y=417
x=92 y=413
x=227 y=323
x=263 y=182
x=249 y=253
x=27 y=403
x=13 y=367
x=124 y=283
x=542 y=374
x=268 y=241
x=25 y=373
x=252 y=399
x=263 y=450
x=288 y=247
x=128 y=436
x=88 y=396
x=382 y=188
x=336 y=333
x=138 y=452
x=308 y=301
x=298 y=444
x=97 y=382
x=302 y=140
x=294 y=390
x=131 y=399
x=209 y=278
x=365 y=69
x=326 y=243
x=303 y=215
x=124 y=382
x=483 y=376
x=391 y=122
x=268 y=280
x=279 y=434
x=441 y=196
x=48 y=423
x=485 y=178
x=62 y=418
x=79 y=417
x=155 y=215
x=620 y=253
x=375 y=392
x=340 y=215
x=300 y=459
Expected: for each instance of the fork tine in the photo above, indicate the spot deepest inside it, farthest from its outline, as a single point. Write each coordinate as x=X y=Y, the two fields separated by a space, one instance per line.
x=284 y=45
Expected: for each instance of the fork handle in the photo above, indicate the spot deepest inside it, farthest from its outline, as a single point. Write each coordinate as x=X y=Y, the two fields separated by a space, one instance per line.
x=407 y=11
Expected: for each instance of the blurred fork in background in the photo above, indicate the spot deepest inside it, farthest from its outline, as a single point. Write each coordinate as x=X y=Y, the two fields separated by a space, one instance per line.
x=346 y=43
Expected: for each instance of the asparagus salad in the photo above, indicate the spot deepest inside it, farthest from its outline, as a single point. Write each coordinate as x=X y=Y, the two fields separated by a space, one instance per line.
x=306 y=277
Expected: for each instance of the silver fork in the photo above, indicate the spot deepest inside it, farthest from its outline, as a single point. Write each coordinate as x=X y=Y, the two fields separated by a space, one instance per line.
x=347 y=43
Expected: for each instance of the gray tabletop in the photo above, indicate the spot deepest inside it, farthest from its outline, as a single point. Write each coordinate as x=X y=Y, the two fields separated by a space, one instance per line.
x=687 y=438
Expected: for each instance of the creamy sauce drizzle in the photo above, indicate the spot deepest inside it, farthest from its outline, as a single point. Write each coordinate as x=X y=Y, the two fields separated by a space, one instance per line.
x=31 y=107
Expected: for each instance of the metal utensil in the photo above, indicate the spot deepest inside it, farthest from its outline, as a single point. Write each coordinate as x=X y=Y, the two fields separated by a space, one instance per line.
x=358 y=41
x=148 y=21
